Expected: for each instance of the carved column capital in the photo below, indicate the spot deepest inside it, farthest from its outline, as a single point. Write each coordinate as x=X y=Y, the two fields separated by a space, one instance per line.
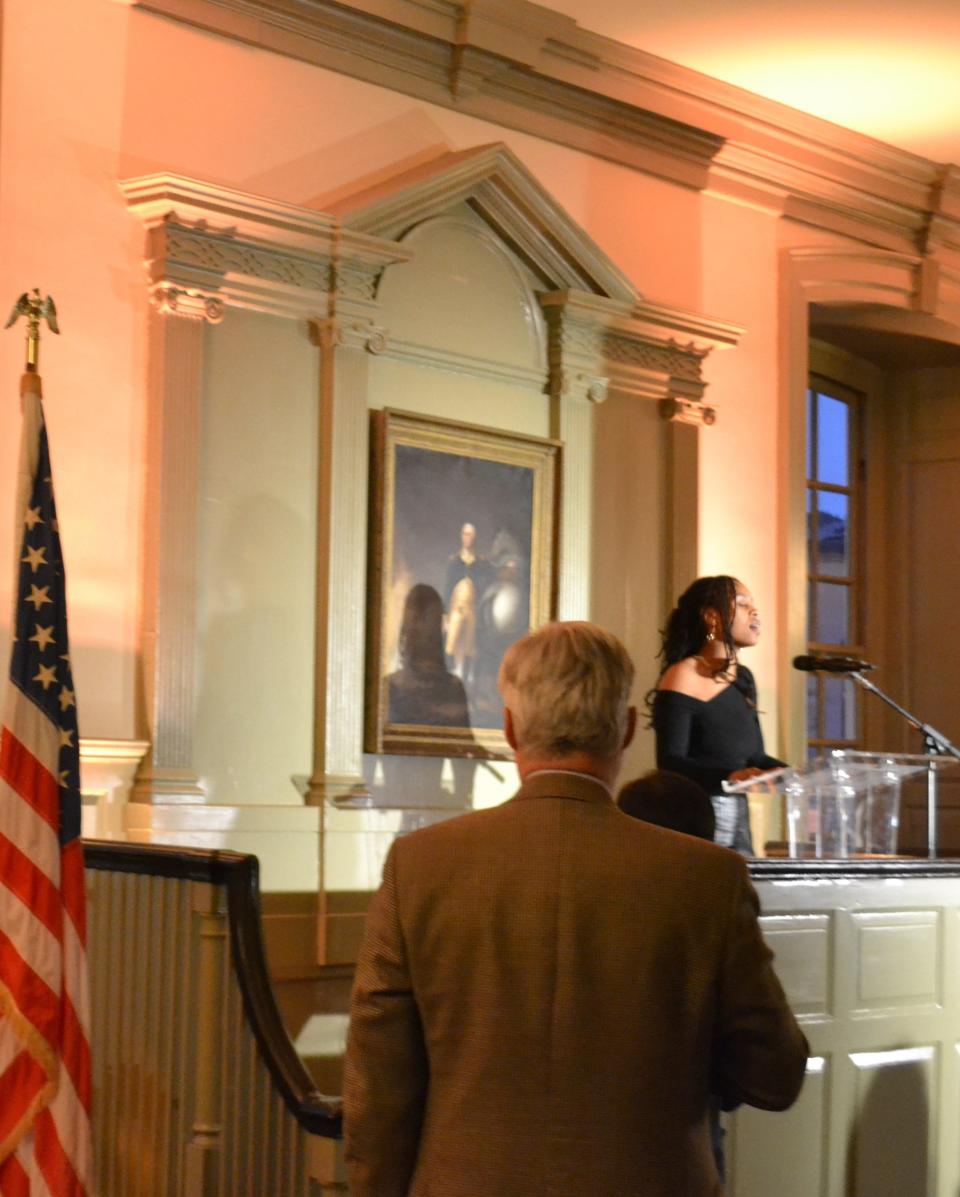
x=339 y=333
x=575 y=354
x=687 y=411
x=194 y=305
x=574 y=384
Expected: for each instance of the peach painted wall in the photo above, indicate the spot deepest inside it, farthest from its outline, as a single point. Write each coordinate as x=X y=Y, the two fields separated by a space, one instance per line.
x=63 y=229
x=739 y=461
x=94 y=91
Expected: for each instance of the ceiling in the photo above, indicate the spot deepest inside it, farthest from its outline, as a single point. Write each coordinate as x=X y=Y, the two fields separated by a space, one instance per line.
x=887 y=68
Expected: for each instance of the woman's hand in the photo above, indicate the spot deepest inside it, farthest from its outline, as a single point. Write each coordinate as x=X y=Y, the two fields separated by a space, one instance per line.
x=744 y=774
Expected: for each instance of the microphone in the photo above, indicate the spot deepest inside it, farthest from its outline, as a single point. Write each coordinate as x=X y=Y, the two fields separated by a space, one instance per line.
x=831 y=665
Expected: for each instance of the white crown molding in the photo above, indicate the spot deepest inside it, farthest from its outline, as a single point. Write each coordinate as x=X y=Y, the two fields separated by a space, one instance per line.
x=209 y=247
x=410 y=353
x=700 y=333
x=159 y=197
x=695 y=333
x=865 y=212
x=523 y=66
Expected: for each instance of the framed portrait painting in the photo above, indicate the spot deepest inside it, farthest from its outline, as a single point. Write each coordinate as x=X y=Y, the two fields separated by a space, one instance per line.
x=462 y=564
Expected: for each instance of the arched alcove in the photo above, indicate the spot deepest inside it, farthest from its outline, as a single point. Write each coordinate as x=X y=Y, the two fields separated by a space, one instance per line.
x=463 y=291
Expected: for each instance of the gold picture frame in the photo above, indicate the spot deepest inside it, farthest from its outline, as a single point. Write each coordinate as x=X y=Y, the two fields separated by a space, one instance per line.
x=463 y=534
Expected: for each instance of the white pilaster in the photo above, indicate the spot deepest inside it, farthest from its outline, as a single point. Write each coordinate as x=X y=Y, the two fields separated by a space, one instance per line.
x=168 y=630
x=341 y=554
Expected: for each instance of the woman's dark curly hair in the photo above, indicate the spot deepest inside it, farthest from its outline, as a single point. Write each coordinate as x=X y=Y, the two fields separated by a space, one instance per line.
x=687 y=625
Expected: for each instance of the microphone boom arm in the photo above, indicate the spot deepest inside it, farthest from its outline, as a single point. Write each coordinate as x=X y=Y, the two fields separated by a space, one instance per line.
x=935 y=744
x=934 y=741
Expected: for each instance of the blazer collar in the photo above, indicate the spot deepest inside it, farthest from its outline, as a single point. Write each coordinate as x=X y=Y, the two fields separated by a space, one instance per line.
x=559 y=783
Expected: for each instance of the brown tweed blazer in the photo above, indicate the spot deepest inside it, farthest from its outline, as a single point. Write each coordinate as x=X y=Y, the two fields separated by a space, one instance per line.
x=546 y=994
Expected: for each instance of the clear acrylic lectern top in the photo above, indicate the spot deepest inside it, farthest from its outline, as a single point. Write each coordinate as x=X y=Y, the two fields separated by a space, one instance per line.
x=844 y=803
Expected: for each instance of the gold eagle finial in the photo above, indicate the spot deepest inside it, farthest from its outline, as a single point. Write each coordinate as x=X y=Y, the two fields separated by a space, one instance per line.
x=35 y=308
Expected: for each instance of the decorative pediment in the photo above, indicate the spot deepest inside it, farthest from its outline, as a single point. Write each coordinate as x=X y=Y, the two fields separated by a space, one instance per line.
x=505 y=194
x=603 y=333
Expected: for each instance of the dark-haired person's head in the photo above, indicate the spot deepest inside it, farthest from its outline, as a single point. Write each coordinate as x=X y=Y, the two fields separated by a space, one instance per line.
x=705 y=609
x=421 y=629
x=669 y=800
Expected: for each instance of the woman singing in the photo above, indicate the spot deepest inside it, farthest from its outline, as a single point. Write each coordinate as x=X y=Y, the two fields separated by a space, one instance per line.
x=704 y=708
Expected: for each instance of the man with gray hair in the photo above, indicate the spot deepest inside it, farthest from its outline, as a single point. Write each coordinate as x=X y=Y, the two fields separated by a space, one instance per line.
x=548 y=991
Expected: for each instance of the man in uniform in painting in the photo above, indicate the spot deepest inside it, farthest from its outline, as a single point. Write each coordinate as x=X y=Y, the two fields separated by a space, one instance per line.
x=461 y=639
x=466 y=563
x=548 y=991
x=468 y=575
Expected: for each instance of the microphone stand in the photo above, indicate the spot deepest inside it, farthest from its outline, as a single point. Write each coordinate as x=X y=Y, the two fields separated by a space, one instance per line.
x=934 y=744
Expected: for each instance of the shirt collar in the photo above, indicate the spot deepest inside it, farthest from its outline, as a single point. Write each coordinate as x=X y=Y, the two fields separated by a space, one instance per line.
x=561 y=782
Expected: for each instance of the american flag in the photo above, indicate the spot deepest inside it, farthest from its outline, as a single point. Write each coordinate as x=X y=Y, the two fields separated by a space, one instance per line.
x=45 y=1077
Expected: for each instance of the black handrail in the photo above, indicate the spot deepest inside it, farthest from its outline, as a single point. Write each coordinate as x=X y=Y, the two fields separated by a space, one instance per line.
x=239 y=874
x=785 y=869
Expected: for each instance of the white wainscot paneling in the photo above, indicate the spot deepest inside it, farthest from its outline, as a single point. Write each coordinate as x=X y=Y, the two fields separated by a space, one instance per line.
x=796 y=1167
x=870 y=961
x=803 y=951
x=898 y=958
x=892 y=1134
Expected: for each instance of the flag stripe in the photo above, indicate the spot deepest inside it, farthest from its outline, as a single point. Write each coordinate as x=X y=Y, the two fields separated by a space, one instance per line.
x=76 y=1054
x=29 y=1077
x=73 y=885
x=28 y=1159
x=29 y=907
x=9 y=1049
x=32 y=782
x=33 y=1088
x=14 y=1181
x=32 y=886
x=52 y=1160
x=35 y=731
x=75 y=977
x=28 y=992
x=73 y=1126
x=22 y=825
